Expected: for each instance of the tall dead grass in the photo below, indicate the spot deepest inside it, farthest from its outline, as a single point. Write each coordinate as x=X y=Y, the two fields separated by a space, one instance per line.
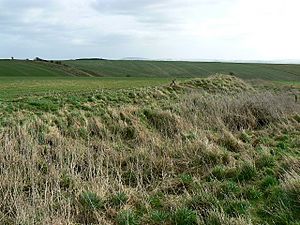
x=66 y=170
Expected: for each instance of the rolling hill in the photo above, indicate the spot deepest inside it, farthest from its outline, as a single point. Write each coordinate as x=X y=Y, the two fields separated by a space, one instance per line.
x=26 y=68
x=187 y=69
x=125 y=68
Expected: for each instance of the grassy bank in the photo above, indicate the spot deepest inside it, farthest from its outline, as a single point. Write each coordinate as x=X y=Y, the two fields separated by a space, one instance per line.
x=205 y=151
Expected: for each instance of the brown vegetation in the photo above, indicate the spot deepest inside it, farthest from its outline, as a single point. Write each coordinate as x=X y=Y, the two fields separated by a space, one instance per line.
x=199 y=158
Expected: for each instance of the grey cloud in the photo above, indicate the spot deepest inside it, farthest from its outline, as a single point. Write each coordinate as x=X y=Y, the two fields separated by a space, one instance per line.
x=126 y=6
x=166 y=15
x=14 y=5
x=120 y=28
x=154 y=21
x=145 y=6
x=14 y=19
x=153 y=13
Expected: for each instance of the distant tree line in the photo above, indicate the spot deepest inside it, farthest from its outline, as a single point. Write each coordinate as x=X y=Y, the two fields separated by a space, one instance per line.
x=49 y=61
x=91 y=59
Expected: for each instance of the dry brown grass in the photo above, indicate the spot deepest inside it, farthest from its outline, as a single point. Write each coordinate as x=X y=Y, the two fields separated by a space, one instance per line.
x=48 y=163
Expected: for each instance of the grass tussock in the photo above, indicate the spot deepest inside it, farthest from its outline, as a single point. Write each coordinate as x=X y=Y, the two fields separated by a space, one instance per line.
x=189 y=156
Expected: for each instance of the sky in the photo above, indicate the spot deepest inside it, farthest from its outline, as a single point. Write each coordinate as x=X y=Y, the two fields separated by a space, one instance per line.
x=154 y=29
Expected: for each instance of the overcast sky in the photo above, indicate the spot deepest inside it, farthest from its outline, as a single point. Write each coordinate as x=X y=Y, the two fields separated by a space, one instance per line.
x=177 y=29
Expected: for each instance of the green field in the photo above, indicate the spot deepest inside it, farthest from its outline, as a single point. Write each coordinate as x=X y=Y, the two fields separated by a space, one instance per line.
x=186 y=69
x=11 y=87
x=22 y=78
x=20 y=68
x=119 y=68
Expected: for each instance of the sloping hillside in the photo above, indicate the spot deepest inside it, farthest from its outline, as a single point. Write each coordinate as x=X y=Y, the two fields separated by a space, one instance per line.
x=186 y=69
x=24 y=68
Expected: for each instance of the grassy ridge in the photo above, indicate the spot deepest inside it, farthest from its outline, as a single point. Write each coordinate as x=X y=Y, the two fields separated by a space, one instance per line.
x=206 y=151
x=119 y=68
